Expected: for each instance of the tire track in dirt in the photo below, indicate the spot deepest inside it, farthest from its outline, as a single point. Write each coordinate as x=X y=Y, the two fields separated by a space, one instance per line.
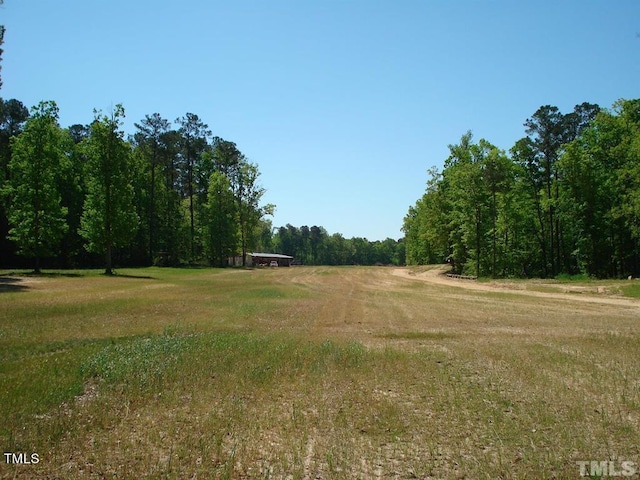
x=437 y=276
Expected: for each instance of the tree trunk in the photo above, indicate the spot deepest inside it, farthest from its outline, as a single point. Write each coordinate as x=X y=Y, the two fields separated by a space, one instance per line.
x=107 y=260
x=495 y=221
x=478 y=243
x=548 y=175
x=191 y=216
x=151 y=211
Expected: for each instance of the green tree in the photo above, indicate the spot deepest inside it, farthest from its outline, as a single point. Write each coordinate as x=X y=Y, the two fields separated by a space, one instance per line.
x=2 y=30
x=623 y=152
x=548 y=132
x=228 y=160
x=567 y=195
x=72 y=189
x=13 y=114
x=600 y=196
x=468 y=205
x=287 y=240
x=109 y=219
x=305 y=238
x=35 y=211
x=169 y=201
x=364 y=251
x=338 y=250
x=137 y=249
x=150 y=140
x=264 y=234
x=249 y=211
x=628 y=178
x=316 y=236
x=193 y=144
x=221 y=239
x=530 y=186
x=518 y=248
x=426 y=224
x=496 y=173
x=461 y=216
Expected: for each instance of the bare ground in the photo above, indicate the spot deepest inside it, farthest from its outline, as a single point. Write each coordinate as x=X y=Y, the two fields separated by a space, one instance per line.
x=369 y=304
x=437 y=275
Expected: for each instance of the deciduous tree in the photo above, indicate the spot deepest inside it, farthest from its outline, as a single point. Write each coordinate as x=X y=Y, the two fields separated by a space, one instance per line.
x=221 y=239
x=35 y=211
x=248 y=195
x=109 y=219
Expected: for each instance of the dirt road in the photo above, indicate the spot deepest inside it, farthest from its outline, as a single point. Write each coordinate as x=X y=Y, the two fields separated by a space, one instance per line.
x=437 y=275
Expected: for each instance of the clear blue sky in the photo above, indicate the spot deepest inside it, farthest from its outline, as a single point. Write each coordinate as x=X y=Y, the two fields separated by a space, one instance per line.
x=342 y=104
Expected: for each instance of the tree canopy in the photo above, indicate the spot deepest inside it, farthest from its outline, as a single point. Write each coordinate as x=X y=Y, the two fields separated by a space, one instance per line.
x=35 y=212
x=170 y=194
x=109 y=219
x=564 y=200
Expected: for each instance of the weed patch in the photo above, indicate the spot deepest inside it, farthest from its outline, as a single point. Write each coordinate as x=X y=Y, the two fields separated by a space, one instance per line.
x=140 y=363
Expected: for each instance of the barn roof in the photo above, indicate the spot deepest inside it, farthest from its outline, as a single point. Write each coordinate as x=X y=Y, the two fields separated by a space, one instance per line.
x=270 y=255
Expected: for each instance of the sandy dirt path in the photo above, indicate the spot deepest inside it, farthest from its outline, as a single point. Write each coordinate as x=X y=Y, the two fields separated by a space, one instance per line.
x=437 y=275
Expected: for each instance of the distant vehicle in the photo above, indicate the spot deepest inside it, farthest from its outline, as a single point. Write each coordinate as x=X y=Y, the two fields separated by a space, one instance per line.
x=273 y=263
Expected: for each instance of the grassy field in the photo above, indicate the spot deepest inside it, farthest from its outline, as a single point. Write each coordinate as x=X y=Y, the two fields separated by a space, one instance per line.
x=312 y=372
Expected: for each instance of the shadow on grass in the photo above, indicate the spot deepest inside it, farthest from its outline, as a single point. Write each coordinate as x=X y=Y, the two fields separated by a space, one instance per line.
x=14 y=281
x=42 y=274
x=56 y=274
x=115 y=274
x=121 y=275
x=12 y=284
x=16 y=276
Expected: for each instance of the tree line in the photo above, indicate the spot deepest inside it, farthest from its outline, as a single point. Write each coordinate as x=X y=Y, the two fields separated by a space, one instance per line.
x=315 y=246
x=565 y=199
x=170 y=194
x=85 y=195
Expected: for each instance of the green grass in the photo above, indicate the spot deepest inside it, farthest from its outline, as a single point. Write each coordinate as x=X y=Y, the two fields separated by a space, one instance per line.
x=271 y=386
x=418 y=335
x=582 y=277
x=576 y=284
x=632 y=290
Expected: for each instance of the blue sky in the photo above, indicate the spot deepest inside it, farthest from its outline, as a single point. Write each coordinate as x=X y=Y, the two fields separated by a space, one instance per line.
x=344 y=105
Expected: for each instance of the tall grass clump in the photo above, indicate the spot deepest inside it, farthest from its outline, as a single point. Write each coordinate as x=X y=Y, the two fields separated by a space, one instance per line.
x=140 y=363
x=146 y=363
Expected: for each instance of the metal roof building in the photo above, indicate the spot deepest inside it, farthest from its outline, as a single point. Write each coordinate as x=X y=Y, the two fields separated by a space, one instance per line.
x=267 y=258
